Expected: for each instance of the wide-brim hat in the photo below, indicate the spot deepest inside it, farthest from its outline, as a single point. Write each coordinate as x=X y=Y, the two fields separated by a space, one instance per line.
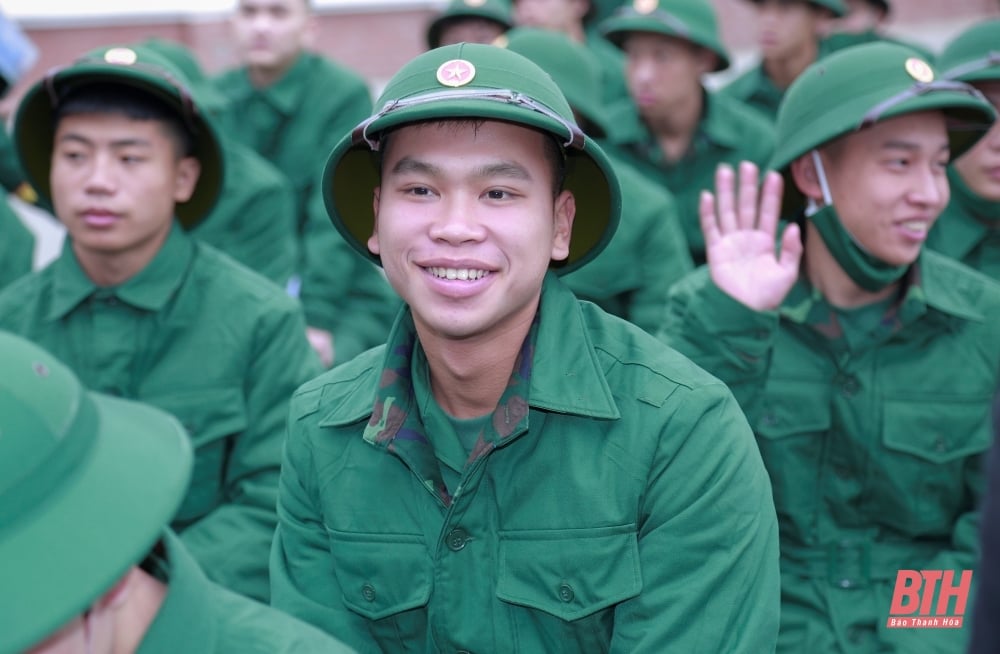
x=571 y=66
x=87 y=484
x=973 y=55
x=859 y=86
x=498 y=11
x=131 y=66
x=690 y=20
x=473 y=81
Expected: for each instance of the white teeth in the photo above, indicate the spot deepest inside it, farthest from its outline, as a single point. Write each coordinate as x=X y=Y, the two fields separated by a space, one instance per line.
x=916 y=226
x=463 y=274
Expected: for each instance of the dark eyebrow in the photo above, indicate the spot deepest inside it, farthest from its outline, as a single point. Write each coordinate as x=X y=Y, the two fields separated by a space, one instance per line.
x=411 y=165
x=121 y=143
x=907 y=145
x=508 y=169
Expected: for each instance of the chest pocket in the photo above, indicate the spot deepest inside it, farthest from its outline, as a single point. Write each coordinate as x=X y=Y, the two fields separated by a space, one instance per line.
x=569 y=582
x=212 y=417
x=933 y=452
x=385 y=579
x=791 y=428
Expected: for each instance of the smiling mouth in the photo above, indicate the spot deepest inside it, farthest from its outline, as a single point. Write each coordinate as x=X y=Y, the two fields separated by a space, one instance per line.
x=463 y=274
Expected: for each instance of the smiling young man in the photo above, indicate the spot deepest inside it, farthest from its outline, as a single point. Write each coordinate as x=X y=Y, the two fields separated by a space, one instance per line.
x=682 y=131
x=140 y=309
x=866 y=363
x=514 y=468
x=789 y=34
x=969 y=228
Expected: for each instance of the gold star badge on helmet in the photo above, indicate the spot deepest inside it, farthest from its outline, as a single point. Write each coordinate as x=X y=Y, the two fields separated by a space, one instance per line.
x=645 y=6
x=456 y=72
x=121 y=56
x=919 y=70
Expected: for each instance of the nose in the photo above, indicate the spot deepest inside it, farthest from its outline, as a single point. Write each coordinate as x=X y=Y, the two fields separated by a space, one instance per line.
x=457 y=221
x=931 y=188
x=102 y=178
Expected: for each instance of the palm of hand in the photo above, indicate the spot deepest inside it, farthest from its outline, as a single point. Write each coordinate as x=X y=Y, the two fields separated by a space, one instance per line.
x=745 y=265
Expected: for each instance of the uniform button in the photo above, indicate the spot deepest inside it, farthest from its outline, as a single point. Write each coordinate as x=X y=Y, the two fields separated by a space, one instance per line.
x=769 y=420
x=940 y=445
x=850 y=387
x=368 y=592
x=566 y=593
x=846 y=583
x=456 y=539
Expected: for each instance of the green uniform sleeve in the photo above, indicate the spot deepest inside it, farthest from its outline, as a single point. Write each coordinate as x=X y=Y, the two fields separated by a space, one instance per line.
x=708 y=547
x=721 y=335
x=232 y=542
x=17 y=245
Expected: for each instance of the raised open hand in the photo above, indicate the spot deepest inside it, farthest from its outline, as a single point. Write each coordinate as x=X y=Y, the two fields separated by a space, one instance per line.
x=740 y=238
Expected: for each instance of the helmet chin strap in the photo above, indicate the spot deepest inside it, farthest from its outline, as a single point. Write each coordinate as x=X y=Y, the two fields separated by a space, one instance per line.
x=811 y=206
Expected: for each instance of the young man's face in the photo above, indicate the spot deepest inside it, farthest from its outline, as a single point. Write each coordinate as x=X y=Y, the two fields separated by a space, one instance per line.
x=270 y=34
x=556 y=15
x=470 y=30
x=466 y=223
x=115 y=182
x=786 y=27
x=889 y=183
x=862 y=16
x=662 y=72
x=980 y=166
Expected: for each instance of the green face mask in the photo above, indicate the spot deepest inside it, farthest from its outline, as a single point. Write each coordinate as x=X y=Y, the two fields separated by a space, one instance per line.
x=867 y=271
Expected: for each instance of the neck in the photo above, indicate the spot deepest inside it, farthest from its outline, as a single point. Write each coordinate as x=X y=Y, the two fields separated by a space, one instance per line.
x=114 y=268
x=145 y=597
x=261 y=77
x=469 y=377
x=826 y=276
x=784 y=70
x=675 y=125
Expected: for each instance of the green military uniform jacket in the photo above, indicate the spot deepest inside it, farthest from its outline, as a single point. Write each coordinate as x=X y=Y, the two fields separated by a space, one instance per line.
x=756 y=89
x=253 y=220
x=874 y=443
x=202 y=337
x=729 y=132
x=632 y=276
x=344 y=293
x=614 y=502
x=11 y=175
x=199 y=617
x=17 y=245
x=969 y=228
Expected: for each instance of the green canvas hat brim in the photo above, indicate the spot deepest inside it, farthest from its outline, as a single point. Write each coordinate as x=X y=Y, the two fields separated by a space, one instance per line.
x=973 y=55
x=351 y=174
x=34 y=132
x=104 y=519
x=627 y=20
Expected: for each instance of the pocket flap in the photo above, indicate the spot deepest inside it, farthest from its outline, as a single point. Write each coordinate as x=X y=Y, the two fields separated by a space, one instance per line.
x=381 y=574
x=789 y=409
x=937 y=429
x=569 y=573
x=207 y=414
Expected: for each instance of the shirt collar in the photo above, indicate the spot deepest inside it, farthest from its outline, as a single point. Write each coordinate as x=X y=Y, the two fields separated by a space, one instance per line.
x=149 y=289
x=183 y=623
x=284 y=94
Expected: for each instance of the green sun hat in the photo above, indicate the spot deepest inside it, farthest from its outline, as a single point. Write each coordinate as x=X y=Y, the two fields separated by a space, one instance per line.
x=498 y=11
x=691 y=20
x=973 y=55
x=835 y=7
x=474 y=81
x=131 y=66
x=87 y=484
x=571 y=66
x=859 y=86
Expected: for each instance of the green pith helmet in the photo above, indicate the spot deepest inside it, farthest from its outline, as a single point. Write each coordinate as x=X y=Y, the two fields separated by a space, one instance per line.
x=973 y=55
x=835 y=7
x=135 y=67
x=87 y=484
x=571 y=66
x=691 y=20
x=498 y=11
x=856 y=87
x=473 y=81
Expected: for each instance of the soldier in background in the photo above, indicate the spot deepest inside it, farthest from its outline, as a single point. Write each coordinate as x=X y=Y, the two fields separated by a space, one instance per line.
x=469 y=21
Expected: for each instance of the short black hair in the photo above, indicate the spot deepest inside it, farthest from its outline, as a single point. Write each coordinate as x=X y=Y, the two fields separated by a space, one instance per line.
x=128 y=101
x=554 y=152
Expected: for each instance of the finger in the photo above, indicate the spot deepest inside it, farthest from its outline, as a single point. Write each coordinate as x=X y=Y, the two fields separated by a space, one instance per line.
x=746 y=212
x=791 y=246
x=725 y=198
x=706 y=213
x=770 y=202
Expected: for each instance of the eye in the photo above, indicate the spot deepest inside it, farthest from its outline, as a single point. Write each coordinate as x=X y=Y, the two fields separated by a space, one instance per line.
x=498 y=194
x=420 y=191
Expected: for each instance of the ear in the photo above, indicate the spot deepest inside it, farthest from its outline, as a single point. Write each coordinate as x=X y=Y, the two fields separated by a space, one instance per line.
x=373 y=246
x=806 y=179
x=118 y=594
x=186 y=178
x=564 y=214
x=706 y=60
